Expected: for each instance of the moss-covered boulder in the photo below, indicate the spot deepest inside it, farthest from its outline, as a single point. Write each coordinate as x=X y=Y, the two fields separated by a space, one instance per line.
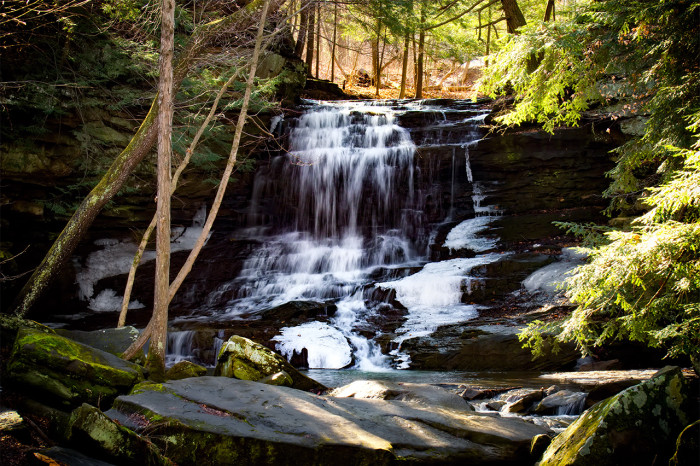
x=66 y=373
x=185 y=370
x=637 y=426
x=93 y=432
x=244 y=359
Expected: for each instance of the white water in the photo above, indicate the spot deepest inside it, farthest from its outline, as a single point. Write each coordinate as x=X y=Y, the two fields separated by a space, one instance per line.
x=349 y=180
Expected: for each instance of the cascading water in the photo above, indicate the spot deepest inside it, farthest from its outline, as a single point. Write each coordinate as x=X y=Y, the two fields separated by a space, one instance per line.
x=341 y=214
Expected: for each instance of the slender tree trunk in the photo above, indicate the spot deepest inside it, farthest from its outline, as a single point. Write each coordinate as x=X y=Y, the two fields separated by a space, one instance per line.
x=176 y=176
x=376 y=65
x=421 y=54
x=404 y=67
x=151 y=328
x=303 y=28
x=310 y=42
x=318 y=38
x=335 y=31
x=117 y=174
x=156 y=352
x=514 y=17
x=550 y=14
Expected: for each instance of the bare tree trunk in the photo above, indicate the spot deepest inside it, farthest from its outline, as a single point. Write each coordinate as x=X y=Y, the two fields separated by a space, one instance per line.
x=151 y=328
x=376 y=65
x=335 y=31
x=156 y=353
x=176 y=176
x=404 y=67
x=117 y=174
x=550 y=14
x=514 y=17
x=421 y=54
x=318 y=38
x=303 y=28
x=310 y=42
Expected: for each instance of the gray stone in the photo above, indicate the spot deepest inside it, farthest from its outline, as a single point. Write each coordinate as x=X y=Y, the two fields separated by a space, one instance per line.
x=216 y=420
x=520 y=400
x=562 y=402
x=637 y=426
x=244 y=359
x=112 y=340
x=423 y=394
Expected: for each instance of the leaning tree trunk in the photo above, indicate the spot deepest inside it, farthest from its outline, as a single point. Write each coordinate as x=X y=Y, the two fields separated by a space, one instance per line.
x=117 y=174
x=156 y=353
x=514 y=17
x=152 y=328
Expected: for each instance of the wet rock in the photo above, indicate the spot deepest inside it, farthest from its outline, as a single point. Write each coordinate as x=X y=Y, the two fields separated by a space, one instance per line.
x=561 y=402
x=185 y=370
x=423 y=394
x=213 y=420
x=296 y=312
x=496 y=405
x=112 y=340
x=637 y=426
x=479 y=393
x=519 y=401
x=687 y=446
x=66 y=372
x=244 y=359
x=92 y=431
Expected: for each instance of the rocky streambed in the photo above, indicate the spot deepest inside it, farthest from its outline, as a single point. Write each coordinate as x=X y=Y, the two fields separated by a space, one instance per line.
x=96 y=408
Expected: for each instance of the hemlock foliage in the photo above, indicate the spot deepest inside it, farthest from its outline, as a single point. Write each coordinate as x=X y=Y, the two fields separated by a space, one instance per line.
x=636 y=60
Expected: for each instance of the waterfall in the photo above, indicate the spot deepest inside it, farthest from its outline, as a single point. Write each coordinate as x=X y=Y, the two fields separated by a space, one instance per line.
x=341 y=214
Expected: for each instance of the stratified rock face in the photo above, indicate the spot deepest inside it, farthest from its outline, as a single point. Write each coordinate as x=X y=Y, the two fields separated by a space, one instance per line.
x=244 y=359
x=215 y=420
x=66 y=372
x=635 y=426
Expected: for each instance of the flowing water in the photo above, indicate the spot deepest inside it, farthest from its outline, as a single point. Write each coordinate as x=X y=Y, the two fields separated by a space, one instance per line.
x=344 y=213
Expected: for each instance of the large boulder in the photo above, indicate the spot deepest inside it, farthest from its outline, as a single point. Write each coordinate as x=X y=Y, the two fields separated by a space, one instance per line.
x=637 y=426
x=244 y=359
x=67 y=373
x=216 y=420
x=419 y=393
x=112 y=340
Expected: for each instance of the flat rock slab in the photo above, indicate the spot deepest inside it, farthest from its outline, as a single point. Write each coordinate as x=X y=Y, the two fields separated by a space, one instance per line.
x=216 y=420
